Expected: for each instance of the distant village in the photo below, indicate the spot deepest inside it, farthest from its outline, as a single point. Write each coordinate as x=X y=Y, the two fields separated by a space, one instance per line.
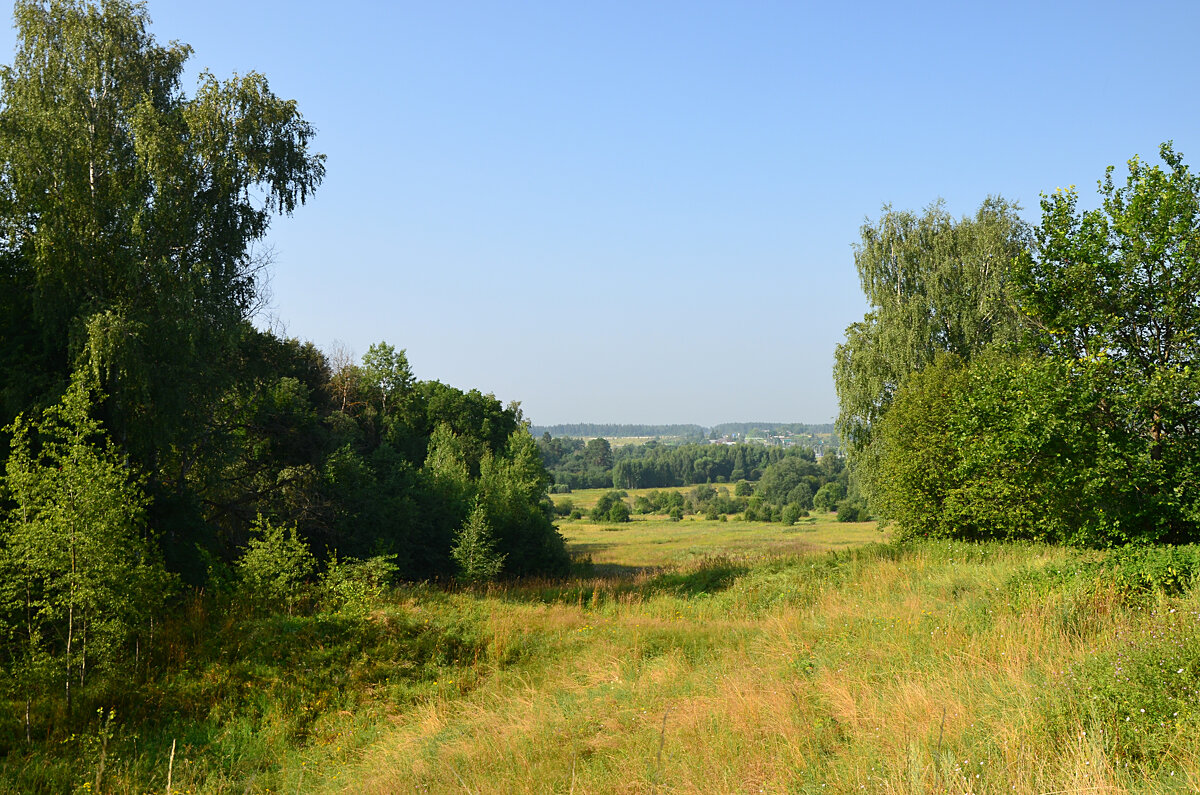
x=818 y=442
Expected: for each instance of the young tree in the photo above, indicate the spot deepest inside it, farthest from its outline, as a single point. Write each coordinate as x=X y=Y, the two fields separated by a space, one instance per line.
x=275 y=566
x=474 y=550
x=76 y=550
x=512 y=488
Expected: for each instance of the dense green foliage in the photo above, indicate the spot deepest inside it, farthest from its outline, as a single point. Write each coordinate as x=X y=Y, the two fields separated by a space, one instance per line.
x=785 y=494
x=128 y=220
x=575 y=464
x=81 y=579
x=1003 y=448
x=1074 y=421
x=934 y=285
x=474 y=549
x=159 y=446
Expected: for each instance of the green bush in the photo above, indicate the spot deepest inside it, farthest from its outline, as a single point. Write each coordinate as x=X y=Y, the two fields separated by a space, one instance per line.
x=852 y=511
x=618 y=512
x=275 y=566
x=1144 y=570
x=355 y=586
x=828 y=496
x=610 y=508
x=791 y=512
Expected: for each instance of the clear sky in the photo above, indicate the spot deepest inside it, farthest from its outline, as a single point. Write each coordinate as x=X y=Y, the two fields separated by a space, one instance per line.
x=645 y=211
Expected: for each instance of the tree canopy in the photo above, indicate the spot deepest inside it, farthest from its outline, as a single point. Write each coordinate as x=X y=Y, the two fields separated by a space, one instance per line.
x=1067 y=411
x=934 y=285
x=128 y=215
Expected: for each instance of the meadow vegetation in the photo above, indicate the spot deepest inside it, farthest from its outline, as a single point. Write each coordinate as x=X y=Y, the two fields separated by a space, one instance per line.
x=934 y=667
x=689 y=656
x=232 y=562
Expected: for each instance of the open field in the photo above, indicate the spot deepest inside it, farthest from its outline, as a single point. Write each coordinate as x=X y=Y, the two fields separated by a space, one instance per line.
x=938 y=668
x=649 y=541
x=701 y=657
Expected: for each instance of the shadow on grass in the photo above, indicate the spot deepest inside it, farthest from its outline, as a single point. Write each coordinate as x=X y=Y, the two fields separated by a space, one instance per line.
x=237 y=692
x=585 y=550
x=595 y=584
x=712 y=576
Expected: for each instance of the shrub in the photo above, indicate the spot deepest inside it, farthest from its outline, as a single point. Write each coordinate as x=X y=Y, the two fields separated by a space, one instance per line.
x=275 y=566
x=852 y=511
x=610 y=508
x=618 y=512
x=828 y=496
x=354 y=586
x=1144 y=570
x=791 y=512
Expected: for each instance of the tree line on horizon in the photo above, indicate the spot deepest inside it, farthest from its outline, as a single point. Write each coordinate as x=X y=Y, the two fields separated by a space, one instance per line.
x=680 y=432
x=1033 y=382
x=577 y=464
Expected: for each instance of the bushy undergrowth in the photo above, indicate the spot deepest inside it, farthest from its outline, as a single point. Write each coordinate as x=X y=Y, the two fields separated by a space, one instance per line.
x=1145 y=570
x=241 y=690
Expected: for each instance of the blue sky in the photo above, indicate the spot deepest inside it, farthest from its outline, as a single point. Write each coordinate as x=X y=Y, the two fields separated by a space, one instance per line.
x=645 y=211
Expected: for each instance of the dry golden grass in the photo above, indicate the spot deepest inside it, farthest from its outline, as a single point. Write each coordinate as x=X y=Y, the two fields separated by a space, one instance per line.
x=896 y=673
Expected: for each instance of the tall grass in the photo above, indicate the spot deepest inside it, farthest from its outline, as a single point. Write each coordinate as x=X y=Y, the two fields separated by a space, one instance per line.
x=936 y=668
x=942 y=667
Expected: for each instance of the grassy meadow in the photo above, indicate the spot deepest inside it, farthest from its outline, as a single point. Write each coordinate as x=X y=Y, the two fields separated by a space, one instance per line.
x=701 y=657
x=939 y=668
x=655 y=541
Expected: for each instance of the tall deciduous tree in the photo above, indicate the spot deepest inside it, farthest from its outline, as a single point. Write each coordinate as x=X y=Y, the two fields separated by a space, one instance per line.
x=934 y=285
x=387 y=373
x=1115 y=292
x=128 y=214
